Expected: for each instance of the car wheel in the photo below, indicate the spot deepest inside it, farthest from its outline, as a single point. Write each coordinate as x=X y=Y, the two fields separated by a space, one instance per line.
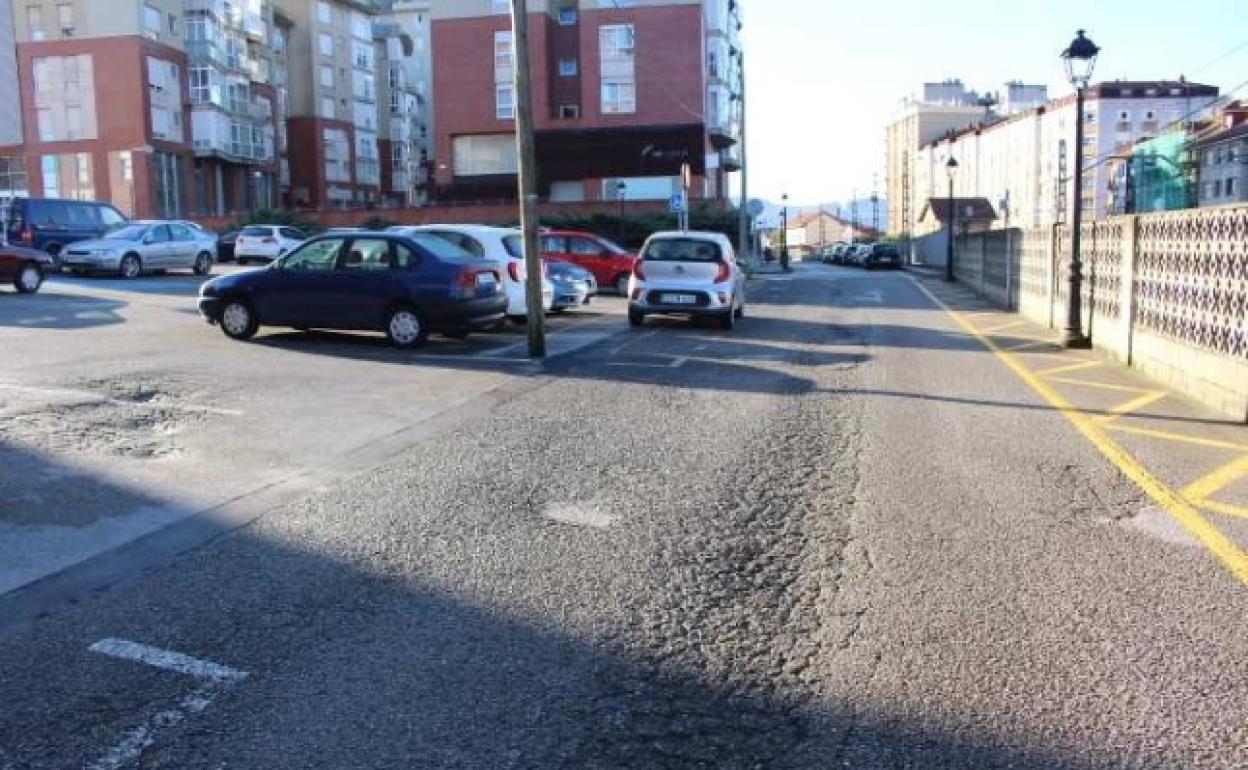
x=727 y=321
x=405 y=328
x=636 y=318
x=741 y=312
x=29 y=278
x=238 y=321
x=131 y=266
x=621 y=285
x=203 y=264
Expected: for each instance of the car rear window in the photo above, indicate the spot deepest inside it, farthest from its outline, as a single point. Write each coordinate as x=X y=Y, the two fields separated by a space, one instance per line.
x=440 y=247
x=514 y=245
x=257 y=232
x=682 y=250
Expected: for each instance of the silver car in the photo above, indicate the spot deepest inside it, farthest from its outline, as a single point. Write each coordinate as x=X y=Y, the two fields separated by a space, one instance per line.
x=144 y=247
x=687 y=273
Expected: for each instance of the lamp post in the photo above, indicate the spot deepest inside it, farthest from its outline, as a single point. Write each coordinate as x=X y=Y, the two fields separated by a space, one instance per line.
x=620 y=190
x=784 y=232
x=1080 y=58
x=951 y=168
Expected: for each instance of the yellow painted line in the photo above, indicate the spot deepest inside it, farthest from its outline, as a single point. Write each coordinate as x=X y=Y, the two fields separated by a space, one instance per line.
x=1206 y=487
x=1097 y=385
x=1225 y=509
x=1031 y=343
x=1004 y=327
x=1133 y=405
x=1222 y=547
x=1068 y=368
x=1181 y=438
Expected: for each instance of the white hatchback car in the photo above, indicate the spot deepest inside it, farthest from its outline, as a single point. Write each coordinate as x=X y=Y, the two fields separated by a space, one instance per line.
x=504 y=246
x=265 y=243
x=687 y=273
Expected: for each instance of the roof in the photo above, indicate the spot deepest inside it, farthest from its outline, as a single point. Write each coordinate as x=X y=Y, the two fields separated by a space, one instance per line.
x=1234 y=132
x=968 y=209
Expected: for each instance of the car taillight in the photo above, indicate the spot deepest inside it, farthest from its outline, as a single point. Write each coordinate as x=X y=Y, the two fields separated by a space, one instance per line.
x=638 y=271
x=470 y=279
x=513 y=270
x=724 y=273
x=27 y=235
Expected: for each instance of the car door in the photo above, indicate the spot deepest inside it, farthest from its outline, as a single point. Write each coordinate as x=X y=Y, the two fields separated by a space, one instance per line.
x=592 y=256
x=156 y=248
x=364 y=285
x=183 y=247
x=299 y=290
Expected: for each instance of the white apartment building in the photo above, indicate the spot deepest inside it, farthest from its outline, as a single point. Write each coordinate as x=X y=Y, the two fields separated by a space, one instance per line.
x=1022 y=164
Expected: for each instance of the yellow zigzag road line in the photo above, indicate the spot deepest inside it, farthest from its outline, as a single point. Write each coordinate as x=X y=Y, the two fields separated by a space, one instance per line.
x=1133 y=405
x=1222 y=547
x=1202 y=489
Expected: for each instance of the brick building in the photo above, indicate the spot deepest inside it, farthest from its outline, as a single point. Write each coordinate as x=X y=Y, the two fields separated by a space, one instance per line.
x=623 y=93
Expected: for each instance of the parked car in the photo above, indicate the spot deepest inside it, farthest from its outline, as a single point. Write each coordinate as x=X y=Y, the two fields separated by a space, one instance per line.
x=857 y=254
x=687 y=273
x=404 y=284
x=501 y=246
x=24 y=268
x=265 y=243
x=882 y=255
x=225 y=245
x=574 y=285
x=51 y=224
x=146 y=246
x=611 y=264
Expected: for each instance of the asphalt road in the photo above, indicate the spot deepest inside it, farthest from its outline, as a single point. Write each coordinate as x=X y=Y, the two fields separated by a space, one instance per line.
x=843 y=535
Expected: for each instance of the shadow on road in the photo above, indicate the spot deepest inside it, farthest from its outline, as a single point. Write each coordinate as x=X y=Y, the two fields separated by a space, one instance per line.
x=59 y=311
x=368 y=656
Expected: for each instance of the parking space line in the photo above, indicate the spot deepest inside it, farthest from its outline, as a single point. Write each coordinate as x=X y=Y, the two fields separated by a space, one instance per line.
x=1226 y=509
x=1222 y=547
x=1068 y=368
x=213 y=678
x=1209 y=485
x=1135 y=404
x=1029 y=344
x=1097 y=385
x=1181 y=438
x=1004 y=327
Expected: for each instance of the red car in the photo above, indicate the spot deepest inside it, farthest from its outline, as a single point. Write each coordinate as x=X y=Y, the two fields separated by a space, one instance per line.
x=611 y=264
x=24 y=268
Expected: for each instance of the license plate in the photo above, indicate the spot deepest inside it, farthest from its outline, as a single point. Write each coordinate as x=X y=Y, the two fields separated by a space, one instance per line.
x=486 y=280
x=680 y=299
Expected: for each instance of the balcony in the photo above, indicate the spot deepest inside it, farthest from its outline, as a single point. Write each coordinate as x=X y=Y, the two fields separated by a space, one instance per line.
x=730 y=158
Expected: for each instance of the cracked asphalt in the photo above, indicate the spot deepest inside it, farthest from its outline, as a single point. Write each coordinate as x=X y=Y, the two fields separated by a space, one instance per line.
x=842 y=535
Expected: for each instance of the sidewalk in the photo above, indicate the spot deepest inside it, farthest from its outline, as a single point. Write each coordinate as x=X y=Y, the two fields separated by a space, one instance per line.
x=1191 y=462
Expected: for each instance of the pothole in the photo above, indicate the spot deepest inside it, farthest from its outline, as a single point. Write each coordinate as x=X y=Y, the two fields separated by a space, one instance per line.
x=1159 y=524
x=579 y=515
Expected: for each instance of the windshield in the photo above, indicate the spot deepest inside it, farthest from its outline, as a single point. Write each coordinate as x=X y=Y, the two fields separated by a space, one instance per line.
x=440 y=247
x=682 y=250
x=613 y=246
x=126 y=233
x=257 y=232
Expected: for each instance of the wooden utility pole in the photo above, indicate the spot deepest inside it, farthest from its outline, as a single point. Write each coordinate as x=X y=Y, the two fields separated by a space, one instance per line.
x=527 y=156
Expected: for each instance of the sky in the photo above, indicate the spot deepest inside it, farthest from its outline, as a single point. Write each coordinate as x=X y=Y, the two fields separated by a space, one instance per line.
x=824 y=76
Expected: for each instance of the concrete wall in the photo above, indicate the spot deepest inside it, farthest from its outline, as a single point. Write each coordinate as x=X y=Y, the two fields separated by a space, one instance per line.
x=1165 y=293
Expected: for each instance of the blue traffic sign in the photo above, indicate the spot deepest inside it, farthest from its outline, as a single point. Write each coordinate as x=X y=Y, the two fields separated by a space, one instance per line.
x=677 y=203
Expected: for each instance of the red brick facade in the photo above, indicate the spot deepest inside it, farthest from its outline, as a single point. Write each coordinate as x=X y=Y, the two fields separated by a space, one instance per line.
x=668 y=71
x=120 y=76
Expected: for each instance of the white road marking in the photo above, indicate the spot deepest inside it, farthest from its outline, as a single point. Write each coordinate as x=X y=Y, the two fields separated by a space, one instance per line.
x=101 y=399
x=874 y=297
x=577 y=515
x=215 y=678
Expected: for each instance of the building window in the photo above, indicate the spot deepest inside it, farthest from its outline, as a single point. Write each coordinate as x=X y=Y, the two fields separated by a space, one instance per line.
x=151 y=22
x=68 y=176
x=325 y=44
x=504 y=102
x=328 y=108
x=569 y=111
x=327 y=76
x=501 y=6
x=616 y=51
x=65 y=18
x=567 y=16
x=34 y=22
x=1230 y=187
x=13 y=178
x=567 y=68
x=62 y=84
x=484 y=155
x=166 y=187
x=324 y=14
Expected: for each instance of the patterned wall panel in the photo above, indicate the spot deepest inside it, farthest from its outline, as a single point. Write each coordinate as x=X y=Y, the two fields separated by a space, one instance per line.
x=1191 y=278
x=1034 y=271
x=1101 y=249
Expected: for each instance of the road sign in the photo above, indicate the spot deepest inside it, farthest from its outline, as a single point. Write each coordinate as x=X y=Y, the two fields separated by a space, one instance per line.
x=677 y=203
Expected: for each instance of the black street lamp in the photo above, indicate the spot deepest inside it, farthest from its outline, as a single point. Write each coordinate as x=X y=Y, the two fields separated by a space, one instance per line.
x=620 y=189
x=1080 y=59
x=951 y=168
x=784 y=232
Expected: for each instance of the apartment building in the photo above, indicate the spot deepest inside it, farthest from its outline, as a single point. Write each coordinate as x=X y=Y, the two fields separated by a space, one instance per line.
x=12 y=159
x=235 y=111
x=624 y=94
x=941 y=108
x=333 y=118
x=399 y=114
x=1222 y=158
x=102 y=92
x=415 y=31
x=1023 y=164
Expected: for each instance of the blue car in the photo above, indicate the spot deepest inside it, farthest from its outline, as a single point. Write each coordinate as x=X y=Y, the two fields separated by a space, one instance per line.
x=574 y=285
x=403 y=285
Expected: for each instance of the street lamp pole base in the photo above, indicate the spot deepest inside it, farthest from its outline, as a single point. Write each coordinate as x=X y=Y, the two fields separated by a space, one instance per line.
x=1073 y=340
x=950 y=279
